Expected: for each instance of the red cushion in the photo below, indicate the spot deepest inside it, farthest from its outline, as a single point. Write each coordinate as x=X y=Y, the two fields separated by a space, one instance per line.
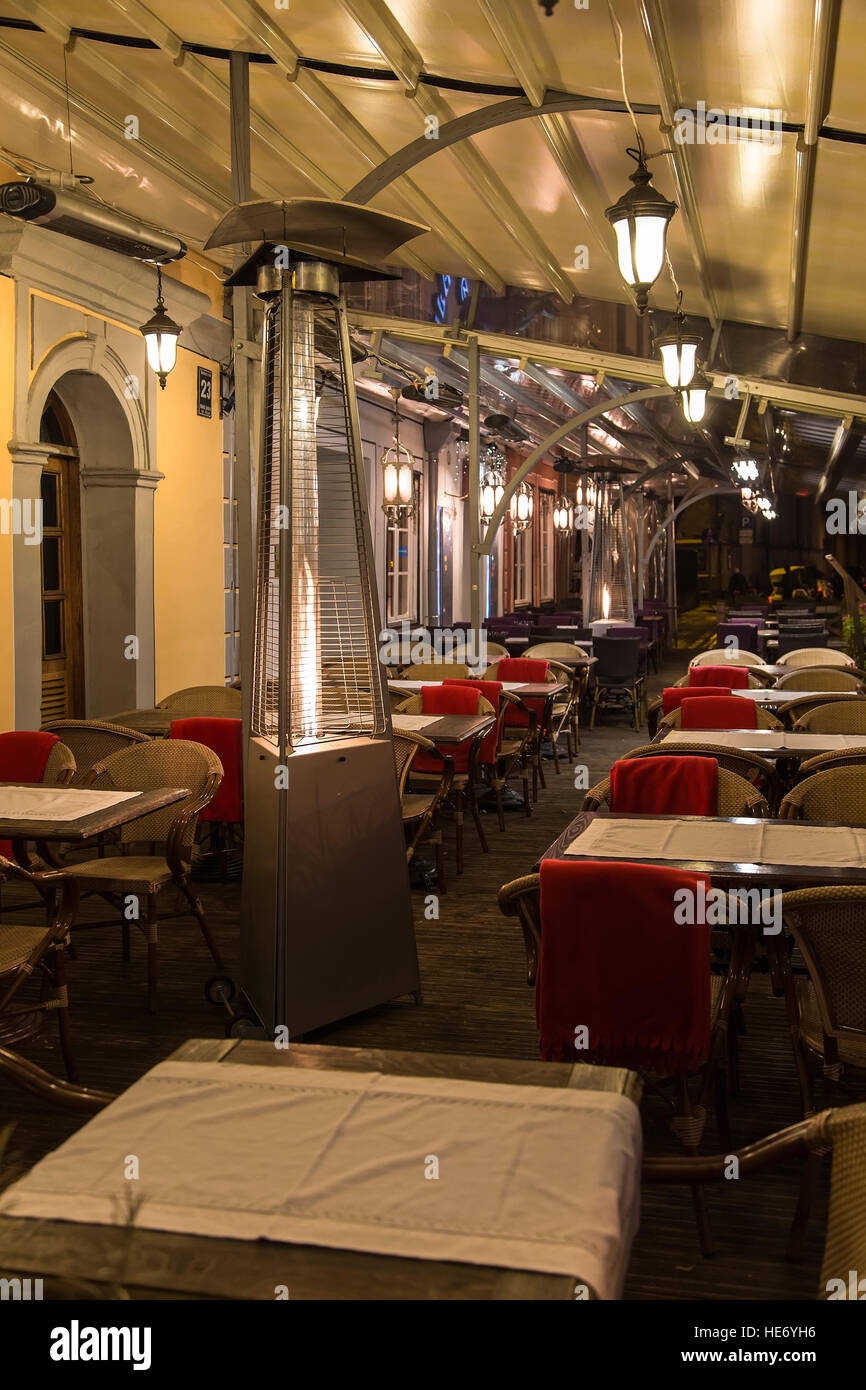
x=522 y=669
x=447 y=699
x=491 y=691
x=665 y=786
x=735 y=677
x=225 y=737
x=673 y=695
x=720 y=712
x=23 y=755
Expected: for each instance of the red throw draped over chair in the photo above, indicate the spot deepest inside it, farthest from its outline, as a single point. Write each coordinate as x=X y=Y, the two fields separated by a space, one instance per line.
x=225 y=738
x=498 y=756
x=666 y=785
x=525 y=671
x=734 y=677
x=673 y=695
x=26 y=757
x=719 y=712
x=455 y=699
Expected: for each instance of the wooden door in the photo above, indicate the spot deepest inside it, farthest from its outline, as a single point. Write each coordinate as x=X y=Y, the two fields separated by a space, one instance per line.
x=62 y=615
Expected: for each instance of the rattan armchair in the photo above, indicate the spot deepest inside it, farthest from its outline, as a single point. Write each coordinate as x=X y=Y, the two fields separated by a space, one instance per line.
x=763 y=720
x=835 y=717
x=753 y=682
x=30 y=950
x=463 y=784
x=59 y=766
x=90 y=741
x=815 y=656
x=842 y=757
x=736 y=796
x=724 y=656
x=494 y=651
x=760 y=772
x=821 y=678
x=420 y=812
x=212 y=700
x=117 y=878
x=836 y=794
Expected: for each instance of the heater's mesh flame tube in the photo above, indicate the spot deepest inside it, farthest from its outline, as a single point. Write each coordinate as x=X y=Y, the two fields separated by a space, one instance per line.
x=610 y=591
x=316 y=662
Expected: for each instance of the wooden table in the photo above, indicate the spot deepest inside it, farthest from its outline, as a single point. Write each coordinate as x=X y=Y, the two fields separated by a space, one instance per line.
x=85 y=827
x=537 y=691
x=155 y=722
x=800 y=875
x=786 y=696
x=169 y=1264
x=769 y=743
x=446 y=728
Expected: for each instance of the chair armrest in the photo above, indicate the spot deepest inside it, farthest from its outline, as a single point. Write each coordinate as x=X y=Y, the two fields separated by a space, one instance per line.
x=801 y=1139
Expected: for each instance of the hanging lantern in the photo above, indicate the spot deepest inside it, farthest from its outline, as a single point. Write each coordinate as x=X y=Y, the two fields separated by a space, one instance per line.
x=678 y=350
x=640 y=220
x=160 y=335
x=398 y=475
x=520 y=508
x=563 y=515
x=694 y=398
x=745 y=469
x=492 y=485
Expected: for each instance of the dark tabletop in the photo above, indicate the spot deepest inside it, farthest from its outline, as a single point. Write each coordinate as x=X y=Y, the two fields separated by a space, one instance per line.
x=86 y=826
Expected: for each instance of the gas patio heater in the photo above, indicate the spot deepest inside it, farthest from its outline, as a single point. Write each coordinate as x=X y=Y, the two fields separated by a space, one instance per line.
x=327 y=917
x=610 y=589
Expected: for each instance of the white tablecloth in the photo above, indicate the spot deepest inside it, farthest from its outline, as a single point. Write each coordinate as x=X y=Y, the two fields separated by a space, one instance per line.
x=55 y=803
x=772 y=740
x=529 y=1177
x=770 y=842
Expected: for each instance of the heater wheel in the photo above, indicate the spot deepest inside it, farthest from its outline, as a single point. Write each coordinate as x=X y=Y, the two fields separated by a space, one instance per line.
x=242 y=1026
x=220 y=989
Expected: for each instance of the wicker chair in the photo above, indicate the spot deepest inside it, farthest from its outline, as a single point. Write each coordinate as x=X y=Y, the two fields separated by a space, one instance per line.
x=760 y=772
x=763 y=720
x=721 y=656
x=736 y=796
x=92 y=740
x=29 y=950
x=820 y=678
x=157 y=763
x=521 y=899
x=494 y=651
x=462 y=783
x=843 y=1132
x=213 y=700
x=815 y=656
x=530 y=748
x=655 y=711
x=837 y=717
x=844 y=757
x=793 y=710
x=421 y=812
x=436 y=671
x=837 y=794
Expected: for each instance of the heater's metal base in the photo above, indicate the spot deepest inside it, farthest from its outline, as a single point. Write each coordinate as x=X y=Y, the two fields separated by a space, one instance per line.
x=342 y=939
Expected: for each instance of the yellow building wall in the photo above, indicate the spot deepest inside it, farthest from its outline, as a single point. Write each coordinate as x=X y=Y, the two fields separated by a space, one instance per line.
x=189 y=613
x=7 y=385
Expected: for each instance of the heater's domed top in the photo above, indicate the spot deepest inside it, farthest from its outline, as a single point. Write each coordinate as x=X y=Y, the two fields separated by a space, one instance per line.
x=340 y=231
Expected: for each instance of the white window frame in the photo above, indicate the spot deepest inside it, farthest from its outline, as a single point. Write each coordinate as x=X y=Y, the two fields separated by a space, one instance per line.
x=522 y=569
x=547 y=552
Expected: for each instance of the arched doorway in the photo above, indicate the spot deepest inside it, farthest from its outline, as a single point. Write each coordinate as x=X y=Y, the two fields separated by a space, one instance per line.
x=62 y=689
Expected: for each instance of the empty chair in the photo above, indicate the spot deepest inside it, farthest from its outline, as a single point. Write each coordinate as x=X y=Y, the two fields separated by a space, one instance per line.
x=672 y=785
x=618 y=675
x=793 y=710
x=91 y=740
x=838 y=717
x=743 y=633
x=789 y=642
x=720 y=712
x=734 y=677
x=204 y=699
x=724 y=656
x=420 y=811
x=141 y=767
x=501 y=756
x=750 y=766
x=763 y=719
x=523 y=671
x=820 y=678
x=494 y=651
x=672 y=698
x=225 y=813
x=815 y=656
x=444 y=700
x=837 y=794
x=28 y=756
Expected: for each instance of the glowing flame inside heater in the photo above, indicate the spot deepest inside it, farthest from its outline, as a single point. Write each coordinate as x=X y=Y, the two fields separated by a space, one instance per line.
x=605 y=602
x=307 y=654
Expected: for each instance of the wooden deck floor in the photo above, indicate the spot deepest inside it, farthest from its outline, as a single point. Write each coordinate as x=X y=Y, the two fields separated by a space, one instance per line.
x=475 y=1001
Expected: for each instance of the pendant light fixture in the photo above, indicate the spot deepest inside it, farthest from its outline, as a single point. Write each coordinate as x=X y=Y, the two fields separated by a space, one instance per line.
x=745 y=469
x=492 y=481
x=563 y=515
x=520 y=508
x=160 y=335
x=694 y=398
x=398 y=473
x=678 y=350
x=640 y=220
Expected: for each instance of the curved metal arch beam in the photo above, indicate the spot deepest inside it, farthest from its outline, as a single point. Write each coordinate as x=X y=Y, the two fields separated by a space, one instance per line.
x=566 y=428
x=475 y=123
x=687 y=502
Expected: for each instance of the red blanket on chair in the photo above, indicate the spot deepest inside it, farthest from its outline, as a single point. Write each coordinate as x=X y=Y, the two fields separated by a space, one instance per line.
x=673 y=695
x=491 y=691
x=734 y=677
x=614 y=961
x=23 y=755
x=722 y=712
x=665 y=786
x=447 y=699
x=523 y=670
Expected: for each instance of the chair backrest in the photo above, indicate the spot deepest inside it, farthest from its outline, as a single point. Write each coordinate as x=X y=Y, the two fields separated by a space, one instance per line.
x=746 y=635
x=162 y=762
x=750 y=766
x=845 y=1244
x=59 y=766
x=838 y=717
x=721 y=656
x=405 y=749
x=814 y=656
x=92 y=740
x=554 y=649
x=29 y=755
x=520 y=670
x=829 y=925
x=225 y=738
x=763 y=718
x=842 y=757
x=619 y=658
x=494 y=650
x=789 y=642
x=734 y=677
x=720 y=712
x=449 y=699
x=736 y=795
x=204 y=699
x=836 y=794
x=819 y=678
x=434 y=670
